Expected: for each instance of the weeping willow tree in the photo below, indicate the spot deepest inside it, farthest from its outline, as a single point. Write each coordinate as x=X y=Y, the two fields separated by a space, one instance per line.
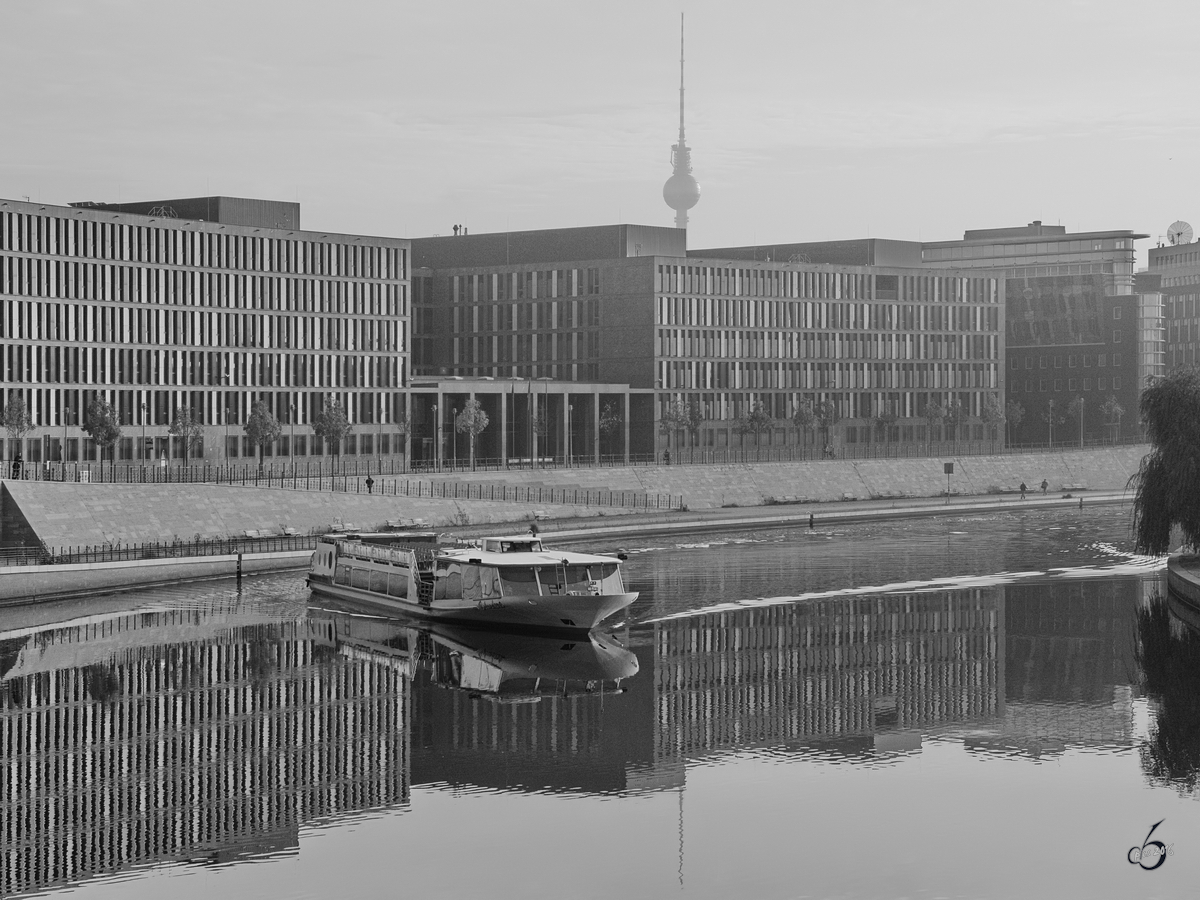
x=1168 y=482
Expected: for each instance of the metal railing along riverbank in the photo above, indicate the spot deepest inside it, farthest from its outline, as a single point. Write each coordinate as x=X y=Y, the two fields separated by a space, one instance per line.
x=40 y=556
x=364 y=482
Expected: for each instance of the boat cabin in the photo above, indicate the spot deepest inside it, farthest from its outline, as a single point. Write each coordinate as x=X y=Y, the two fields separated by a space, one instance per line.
x=518 y=544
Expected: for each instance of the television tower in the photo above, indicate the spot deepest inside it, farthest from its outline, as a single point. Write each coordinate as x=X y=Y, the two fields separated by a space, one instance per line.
x=681 y=191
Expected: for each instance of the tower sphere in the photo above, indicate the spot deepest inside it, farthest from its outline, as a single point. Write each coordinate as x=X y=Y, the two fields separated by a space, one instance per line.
x=682 y=191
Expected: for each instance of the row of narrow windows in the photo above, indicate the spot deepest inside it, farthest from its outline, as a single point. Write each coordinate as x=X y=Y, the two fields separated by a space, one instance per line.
x=198 y=245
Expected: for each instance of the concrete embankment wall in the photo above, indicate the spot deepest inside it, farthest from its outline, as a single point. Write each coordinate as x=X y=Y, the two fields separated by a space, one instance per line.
x=77 y=515
x=752 y=484
x=69 y=515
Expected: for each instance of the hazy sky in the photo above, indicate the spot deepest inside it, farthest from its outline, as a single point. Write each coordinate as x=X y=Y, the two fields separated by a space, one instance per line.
x=808 y=121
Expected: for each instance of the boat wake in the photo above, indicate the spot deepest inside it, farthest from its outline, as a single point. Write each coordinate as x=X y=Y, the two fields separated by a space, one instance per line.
x=1130 y=564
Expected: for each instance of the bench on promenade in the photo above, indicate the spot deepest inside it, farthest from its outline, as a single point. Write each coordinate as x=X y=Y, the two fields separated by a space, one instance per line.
x=1074 y=486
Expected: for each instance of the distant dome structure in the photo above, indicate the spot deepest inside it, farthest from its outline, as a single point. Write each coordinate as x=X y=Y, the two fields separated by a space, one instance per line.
x=682 y=190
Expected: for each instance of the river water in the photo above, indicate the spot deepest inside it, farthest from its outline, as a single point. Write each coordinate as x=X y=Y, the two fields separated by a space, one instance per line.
x=972 y=706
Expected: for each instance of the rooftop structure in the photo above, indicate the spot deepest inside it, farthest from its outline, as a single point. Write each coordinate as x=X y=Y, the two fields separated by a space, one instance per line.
x=224 y=210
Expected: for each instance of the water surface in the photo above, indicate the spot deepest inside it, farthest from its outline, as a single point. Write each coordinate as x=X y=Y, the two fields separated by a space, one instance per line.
x=974 y=706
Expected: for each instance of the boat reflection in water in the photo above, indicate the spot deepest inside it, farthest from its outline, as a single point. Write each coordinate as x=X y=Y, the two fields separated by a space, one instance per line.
x=486 y=663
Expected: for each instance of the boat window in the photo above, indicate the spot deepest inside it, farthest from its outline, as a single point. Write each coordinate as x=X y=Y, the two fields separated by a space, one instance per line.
x=343 y=575
x=521 y=580
x=449 y=582
x=398 y=584
x=480 y=582
x=361 y=578
x=379 y=582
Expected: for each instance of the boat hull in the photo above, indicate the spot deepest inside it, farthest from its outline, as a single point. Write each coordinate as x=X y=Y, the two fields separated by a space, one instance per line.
x=569 y=613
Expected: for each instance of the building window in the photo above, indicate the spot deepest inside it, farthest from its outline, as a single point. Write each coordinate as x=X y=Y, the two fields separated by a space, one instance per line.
x=1116 y=382
x=1116 y=359
x=1071 y=360
x=1116 y=312
x=1058 y=362
x=1116 y=337
x=1042 y=385
x=1072 y=385
x=1057 y=384
x=1100 y=360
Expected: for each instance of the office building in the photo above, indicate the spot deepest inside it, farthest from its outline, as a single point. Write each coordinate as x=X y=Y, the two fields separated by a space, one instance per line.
x=1081 y=331
x=629 y=305
x=204 y=304
x=1176 y=268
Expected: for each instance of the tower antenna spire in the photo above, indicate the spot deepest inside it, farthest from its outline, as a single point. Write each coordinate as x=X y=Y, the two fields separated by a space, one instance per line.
x=682 y=191
x=681 y=78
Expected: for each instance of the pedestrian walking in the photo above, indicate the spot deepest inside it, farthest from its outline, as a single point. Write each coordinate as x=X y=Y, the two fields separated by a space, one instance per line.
x=666 y=457
x=1023 y=490
x=1045 y=484
x=811 y=521
x=370 y=484
x=1081 y=504
x=533 y=530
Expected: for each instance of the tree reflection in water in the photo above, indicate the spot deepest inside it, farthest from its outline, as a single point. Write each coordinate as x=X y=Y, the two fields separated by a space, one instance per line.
x=1168 y=652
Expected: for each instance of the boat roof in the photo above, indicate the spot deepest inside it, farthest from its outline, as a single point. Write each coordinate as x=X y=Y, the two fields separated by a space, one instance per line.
x=524 y=557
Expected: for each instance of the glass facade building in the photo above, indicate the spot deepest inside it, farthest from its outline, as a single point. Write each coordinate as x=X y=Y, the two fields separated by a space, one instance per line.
x=156 y=314
x=1177 y=269
x=1082 y=333
x=719 y=336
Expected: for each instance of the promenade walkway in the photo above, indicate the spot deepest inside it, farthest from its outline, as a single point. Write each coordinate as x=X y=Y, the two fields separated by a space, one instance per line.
x=823 y=514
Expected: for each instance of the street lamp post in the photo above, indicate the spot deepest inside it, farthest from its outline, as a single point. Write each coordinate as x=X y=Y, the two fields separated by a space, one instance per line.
x=62 y=451
x=437 y=439
x=570 y=411
x=379 y=436
x=454 y=437
x=227 y=437
x=1051 y=423
x=142 y=453
x=1081 y=402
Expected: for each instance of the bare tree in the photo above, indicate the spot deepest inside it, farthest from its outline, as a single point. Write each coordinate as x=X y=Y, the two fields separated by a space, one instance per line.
x=805 y=417
x=262 y=428
x=101 y=426
x=992 y=415
x=1014 y=415
x=827 y=415
x=471 y=421
x=17 y=422
x=331 y=425
x=956 y=417
x=188 y=427
x=611 y=421
x=934 y=413
x=1112 y=412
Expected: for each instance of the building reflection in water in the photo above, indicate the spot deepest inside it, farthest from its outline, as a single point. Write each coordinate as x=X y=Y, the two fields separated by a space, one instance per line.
x=185 y=734
x=188 y=735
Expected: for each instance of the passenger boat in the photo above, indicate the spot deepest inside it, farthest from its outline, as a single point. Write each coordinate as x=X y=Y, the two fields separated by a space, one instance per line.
x=511 y=581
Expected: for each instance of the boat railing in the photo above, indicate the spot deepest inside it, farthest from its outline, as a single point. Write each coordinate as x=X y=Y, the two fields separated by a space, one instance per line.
x=390 y=553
